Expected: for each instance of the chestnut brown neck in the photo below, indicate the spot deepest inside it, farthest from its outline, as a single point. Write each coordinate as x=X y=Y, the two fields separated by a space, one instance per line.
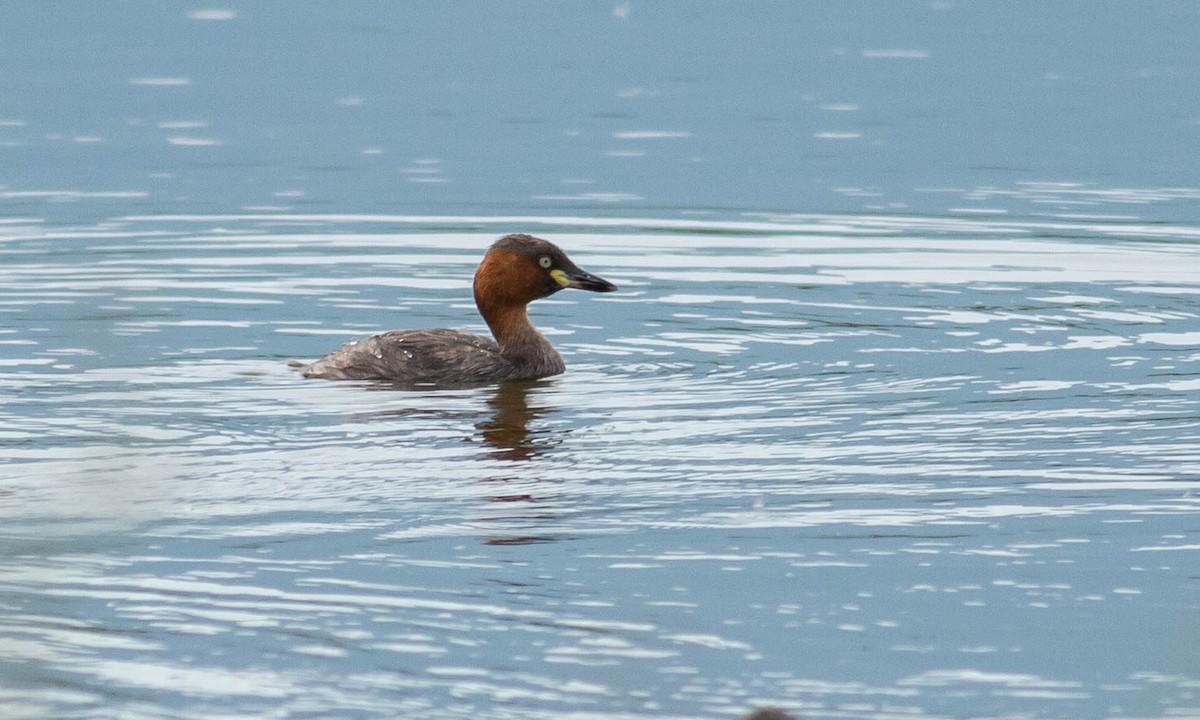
x=526 y=349
x=509 y=325
x=504 y=285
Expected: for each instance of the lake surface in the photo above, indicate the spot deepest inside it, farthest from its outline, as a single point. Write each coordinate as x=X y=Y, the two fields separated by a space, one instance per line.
x=896 y=413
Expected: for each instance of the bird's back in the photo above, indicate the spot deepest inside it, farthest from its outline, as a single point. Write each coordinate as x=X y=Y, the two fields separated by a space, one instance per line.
x=416 y=356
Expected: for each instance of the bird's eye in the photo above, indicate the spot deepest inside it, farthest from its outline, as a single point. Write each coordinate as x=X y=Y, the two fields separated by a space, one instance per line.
x=545 y=261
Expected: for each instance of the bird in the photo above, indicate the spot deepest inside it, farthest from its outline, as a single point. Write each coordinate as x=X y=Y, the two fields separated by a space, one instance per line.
x=768 y=714
x=516 y=270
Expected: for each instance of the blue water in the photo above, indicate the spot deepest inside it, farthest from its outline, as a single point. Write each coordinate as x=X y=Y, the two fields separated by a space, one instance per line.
x=894 y=416
x=403 y=107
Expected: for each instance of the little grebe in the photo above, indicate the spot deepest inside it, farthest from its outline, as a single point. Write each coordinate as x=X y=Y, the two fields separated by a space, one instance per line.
x=768 y=714
x=517 y=270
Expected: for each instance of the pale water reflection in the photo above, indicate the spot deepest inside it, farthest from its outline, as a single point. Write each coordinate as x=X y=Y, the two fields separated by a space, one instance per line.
x=855 y=465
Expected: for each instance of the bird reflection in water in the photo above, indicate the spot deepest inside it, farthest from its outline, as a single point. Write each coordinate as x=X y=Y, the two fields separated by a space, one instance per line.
x=507 y=431
x=506 y=435
x=509 y=437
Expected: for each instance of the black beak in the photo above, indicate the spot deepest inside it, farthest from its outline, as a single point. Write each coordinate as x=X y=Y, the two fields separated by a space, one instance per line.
x=587 y=281
x=573 y=277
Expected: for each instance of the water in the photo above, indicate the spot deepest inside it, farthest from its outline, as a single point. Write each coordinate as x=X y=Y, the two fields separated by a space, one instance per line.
x=894 y=415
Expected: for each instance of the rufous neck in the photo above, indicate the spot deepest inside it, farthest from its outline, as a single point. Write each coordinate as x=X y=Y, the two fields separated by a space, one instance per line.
x=520 y=342
x=510 y=325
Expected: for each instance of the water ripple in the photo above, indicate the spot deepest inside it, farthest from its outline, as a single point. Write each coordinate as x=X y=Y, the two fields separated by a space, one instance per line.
x=787 y=433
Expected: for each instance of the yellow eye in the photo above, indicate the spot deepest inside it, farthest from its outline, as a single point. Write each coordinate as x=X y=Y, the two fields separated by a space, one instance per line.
x=545 y=261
